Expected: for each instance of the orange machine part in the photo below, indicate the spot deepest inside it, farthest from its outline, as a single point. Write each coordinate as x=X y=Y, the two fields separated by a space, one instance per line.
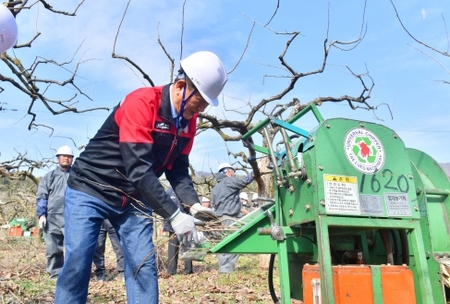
x=34 y=231
x=15 y=231
x=353 y=284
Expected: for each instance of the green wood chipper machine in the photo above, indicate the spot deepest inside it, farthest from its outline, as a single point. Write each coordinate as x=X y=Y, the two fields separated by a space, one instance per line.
x=356 y=216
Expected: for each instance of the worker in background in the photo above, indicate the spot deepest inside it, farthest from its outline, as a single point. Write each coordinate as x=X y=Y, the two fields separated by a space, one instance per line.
x=50 y=210
x=116 y=177
x=245 y=207
x=99 y=254
x=255 y=202
x=174 y=244
x=227 y=205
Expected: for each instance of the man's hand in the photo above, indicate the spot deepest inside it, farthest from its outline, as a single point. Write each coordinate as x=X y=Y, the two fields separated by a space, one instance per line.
x=202 y=213
x=184 y=227
x=42 y=222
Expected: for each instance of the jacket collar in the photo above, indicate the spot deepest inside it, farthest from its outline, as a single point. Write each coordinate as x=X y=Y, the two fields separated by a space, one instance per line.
x=165 y=109
x=60 y=169
x=220 y=176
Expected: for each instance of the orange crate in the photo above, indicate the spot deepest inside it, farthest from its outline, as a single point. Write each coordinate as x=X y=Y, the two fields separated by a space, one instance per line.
x=15 y=231
x=353 y=284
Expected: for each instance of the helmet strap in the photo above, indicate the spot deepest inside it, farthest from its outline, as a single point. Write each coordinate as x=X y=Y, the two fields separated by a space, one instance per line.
x=183 y=104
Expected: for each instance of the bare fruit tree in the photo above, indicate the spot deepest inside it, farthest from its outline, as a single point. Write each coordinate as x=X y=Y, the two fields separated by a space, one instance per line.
x=233 y=130
x=58 y=95
x=31 y=80
x=28 y=80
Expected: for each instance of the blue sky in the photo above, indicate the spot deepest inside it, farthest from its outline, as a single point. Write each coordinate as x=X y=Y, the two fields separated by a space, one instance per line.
x=405 y=77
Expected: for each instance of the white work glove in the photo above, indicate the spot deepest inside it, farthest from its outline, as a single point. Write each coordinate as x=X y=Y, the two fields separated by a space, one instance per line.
x=201 y=238
x=202 y=213
x=184 y=227
x=42 y=222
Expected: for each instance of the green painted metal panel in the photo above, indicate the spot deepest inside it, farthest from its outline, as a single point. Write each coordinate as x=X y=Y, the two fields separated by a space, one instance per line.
x=248 y=238
x=346 y=181
x=434 y=203
x=376 y=284
x=361 y=170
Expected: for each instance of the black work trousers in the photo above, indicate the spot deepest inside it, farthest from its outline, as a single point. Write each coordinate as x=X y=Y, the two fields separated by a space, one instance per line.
x=172 y=255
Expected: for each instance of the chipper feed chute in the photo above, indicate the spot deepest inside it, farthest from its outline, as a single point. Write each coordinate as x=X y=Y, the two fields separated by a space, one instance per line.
x=356 y=216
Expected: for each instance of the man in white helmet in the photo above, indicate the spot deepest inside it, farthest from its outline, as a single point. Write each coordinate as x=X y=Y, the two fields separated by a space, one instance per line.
x=150 y=133
x=244 y=200
x=255 y=203
x=50 y=210
x=227 y=205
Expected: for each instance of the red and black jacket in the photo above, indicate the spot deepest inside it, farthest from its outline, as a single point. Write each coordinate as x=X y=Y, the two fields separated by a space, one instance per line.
x=136 y=144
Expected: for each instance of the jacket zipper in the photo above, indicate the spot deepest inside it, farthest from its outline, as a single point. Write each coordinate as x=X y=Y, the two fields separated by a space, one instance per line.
x=174 y=143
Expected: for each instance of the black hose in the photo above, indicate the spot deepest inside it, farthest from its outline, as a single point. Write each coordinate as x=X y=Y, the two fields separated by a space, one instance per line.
x=270 y=279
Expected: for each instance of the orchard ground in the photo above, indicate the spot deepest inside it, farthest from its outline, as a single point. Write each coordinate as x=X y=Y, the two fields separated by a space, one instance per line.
x=23 y=278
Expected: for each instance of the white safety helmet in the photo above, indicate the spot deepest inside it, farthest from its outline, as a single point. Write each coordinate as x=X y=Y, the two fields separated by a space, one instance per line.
x=207 y=73
x=223 y=166
x=255 y=201
x=205 y=199
x=8 y=29
x=243 y=196
x=64 y=150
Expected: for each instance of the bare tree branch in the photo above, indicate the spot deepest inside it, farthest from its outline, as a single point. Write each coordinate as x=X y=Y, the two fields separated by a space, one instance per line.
x=50 y=8
x=21 y=167
x=245 y=49
x=266 y=105
x=274 y=13
x=182 y=29
x=27 y=83
x=171 y=60
x=133 y=64
x=27 y=80
x=443 y=53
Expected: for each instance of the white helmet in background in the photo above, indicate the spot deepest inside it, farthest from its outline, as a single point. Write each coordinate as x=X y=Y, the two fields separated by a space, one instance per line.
x=8 y=29
x=243 y=196
x=255 y=202
x=205 y=199
x=223 y=166
x=64 y=150
x=207 y=73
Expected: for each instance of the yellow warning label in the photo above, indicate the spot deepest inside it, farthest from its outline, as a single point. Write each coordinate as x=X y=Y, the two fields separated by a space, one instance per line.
x=340 y=178
x=341 y=194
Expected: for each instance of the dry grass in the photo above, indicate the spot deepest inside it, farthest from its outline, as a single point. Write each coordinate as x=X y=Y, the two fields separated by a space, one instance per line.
x=23 y=278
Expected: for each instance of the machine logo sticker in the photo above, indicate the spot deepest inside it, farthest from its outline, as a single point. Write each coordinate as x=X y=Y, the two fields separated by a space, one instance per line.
x=364 y=150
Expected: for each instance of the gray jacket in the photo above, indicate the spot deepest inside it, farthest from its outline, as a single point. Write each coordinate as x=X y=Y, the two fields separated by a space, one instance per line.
x=225 y=195
x=51 y=190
